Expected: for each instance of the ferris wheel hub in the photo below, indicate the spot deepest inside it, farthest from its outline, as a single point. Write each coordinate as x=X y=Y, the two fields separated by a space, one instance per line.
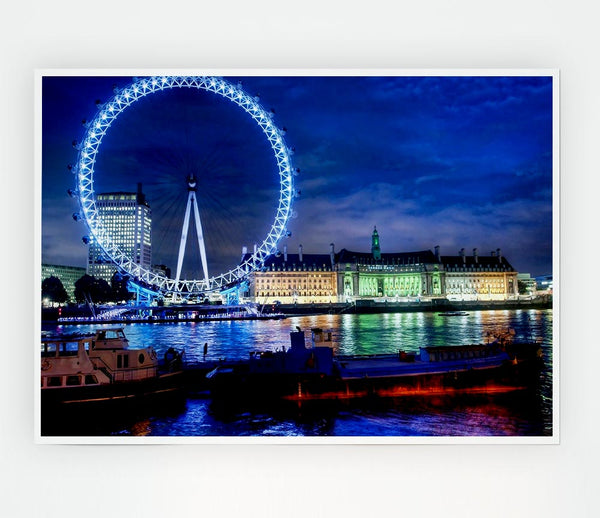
x=191 y=182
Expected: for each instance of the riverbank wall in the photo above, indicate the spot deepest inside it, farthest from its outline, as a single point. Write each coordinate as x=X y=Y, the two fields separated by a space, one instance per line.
x=435 y=305
x=51 y=316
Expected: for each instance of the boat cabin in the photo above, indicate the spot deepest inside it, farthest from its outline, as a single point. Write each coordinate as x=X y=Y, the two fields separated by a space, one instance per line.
x=104 y=358
x=72 y=380
x=322 y=337
x=67 y=346
x=65 y=362
x=110 y=339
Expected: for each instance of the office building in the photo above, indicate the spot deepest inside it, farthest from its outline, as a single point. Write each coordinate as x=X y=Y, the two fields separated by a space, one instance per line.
x=128 y=219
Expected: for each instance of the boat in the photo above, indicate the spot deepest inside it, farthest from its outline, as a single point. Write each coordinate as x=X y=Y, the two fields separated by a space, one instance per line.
x=453 y=314
x=80 y=371
x=312 y=372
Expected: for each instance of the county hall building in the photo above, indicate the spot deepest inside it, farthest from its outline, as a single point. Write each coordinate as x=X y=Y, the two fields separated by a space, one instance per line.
x=347 y=276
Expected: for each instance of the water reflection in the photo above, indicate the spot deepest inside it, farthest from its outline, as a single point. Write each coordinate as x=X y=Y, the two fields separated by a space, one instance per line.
x=353 y=334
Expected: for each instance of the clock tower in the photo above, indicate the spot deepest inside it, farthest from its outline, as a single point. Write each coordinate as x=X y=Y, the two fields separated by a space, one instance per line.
x=375 y=249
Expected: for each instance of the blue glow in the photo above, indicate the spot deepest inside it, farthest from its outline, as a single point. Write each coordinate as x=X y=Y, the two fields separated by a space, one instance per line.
x=85 y=188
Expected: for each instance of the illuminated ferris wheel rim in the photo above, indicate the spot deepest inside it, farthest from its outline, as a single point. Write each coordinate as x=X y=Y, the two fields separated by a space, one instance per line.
x=86 y=159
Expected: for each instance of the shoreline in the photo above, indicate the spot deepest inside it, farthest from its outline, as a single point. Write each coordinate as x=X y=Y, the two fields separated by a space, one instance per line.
x=282 y=311
x=369 y=307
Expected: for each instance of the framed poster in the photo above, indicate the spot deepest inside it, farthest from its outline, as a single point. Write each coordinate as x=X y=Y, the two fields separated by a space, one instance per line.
x=298 y=256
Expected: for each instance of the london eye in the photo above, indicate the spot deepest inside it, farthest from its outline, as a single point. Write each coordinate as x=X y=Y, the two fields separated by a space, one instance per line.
x=179 y=286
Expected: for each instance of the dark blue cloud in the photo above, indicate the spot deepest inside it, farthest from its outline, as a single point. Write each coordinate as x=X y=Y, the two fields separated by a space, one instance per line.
x=455 y=161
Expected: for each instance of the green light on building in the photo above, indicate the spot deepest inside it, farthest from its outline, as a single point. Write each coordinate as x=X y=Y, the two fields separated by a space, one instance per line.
x=375 y=248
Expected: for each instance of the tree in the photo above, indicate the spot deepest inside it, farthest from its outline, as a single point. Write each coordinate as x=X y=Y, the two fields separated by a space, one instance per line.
x=119 y=288
x=523 y=288
x=53 y=290
x=89 y=288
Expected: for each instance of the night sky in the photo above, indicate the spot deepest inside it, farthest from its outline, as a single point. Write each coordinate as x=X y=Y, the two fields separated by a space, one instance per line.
x=460 y=162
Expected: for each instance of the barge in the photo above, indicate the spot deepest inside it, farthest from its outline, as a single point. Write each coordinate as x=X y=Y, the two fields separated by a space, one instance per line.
x=314 y=372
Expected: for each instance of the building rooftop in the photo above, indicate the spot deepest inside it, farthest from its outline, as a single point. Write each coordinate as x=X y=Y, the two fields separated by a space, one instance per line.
x=420 y=257
x=292 y=261
x=286 y=261
x=469 y=261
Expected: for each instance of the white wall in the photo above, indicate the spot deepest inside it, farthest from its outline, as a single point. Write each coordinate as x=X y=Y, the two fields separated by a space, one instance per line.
x=288 y=481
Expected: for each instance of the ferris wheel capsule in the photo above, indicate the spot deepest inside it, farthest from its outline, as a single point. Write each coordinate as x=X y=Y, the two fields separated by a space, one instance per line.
x=86 y=240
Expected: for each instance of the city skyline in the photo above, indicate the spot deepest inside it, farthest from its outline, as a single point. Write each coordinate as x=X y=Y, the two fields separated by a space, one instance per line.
x=459 y=162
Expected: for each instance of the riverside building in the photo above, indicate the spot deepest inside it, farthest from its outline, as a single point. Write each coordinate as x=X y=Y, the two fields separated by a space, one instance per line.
x=295 y=279
x=393 y=275
x=348 y=276
x=477 y=277
x=527 y=284
x=128 y=219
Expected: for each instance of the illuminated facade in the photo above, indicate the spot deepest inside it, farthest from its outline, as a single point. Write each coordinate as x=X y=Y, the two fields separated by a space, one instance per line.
x=527 y=283
x=393 y=276
x=348 y=276
x=479 y=277
x=295 y=279
x=128 y=219
x=544 y=282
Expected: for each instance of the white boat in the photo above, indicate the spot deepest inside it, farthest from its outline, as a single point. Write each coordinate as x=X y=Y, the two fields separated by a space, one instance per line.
x=101 y=368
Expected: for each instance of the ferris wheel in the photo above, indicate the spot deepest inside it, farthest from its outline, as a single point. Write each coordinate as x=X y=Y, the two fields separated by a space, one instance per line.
x=88 y=150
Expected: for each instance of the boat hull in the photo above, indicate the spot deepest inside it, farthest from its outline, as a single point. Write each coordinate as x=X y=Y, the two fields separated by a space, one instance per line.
x=489 y=381
x=384 y=376
x=162 y=387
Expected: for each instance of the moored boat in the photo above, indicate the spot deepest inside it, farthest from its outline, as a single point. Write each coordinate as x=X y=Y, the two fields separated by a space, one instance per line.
x=100 y=369
x=315 y=372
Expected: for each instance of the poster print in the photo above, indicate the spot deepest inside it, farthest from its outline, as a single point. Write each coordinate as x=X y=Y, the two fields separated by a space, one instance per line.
x=297 y=256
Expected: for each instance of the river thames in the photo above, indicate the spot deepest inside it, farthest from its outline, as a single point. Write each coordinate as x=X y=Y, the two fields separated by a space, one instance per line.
x=516 y=414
